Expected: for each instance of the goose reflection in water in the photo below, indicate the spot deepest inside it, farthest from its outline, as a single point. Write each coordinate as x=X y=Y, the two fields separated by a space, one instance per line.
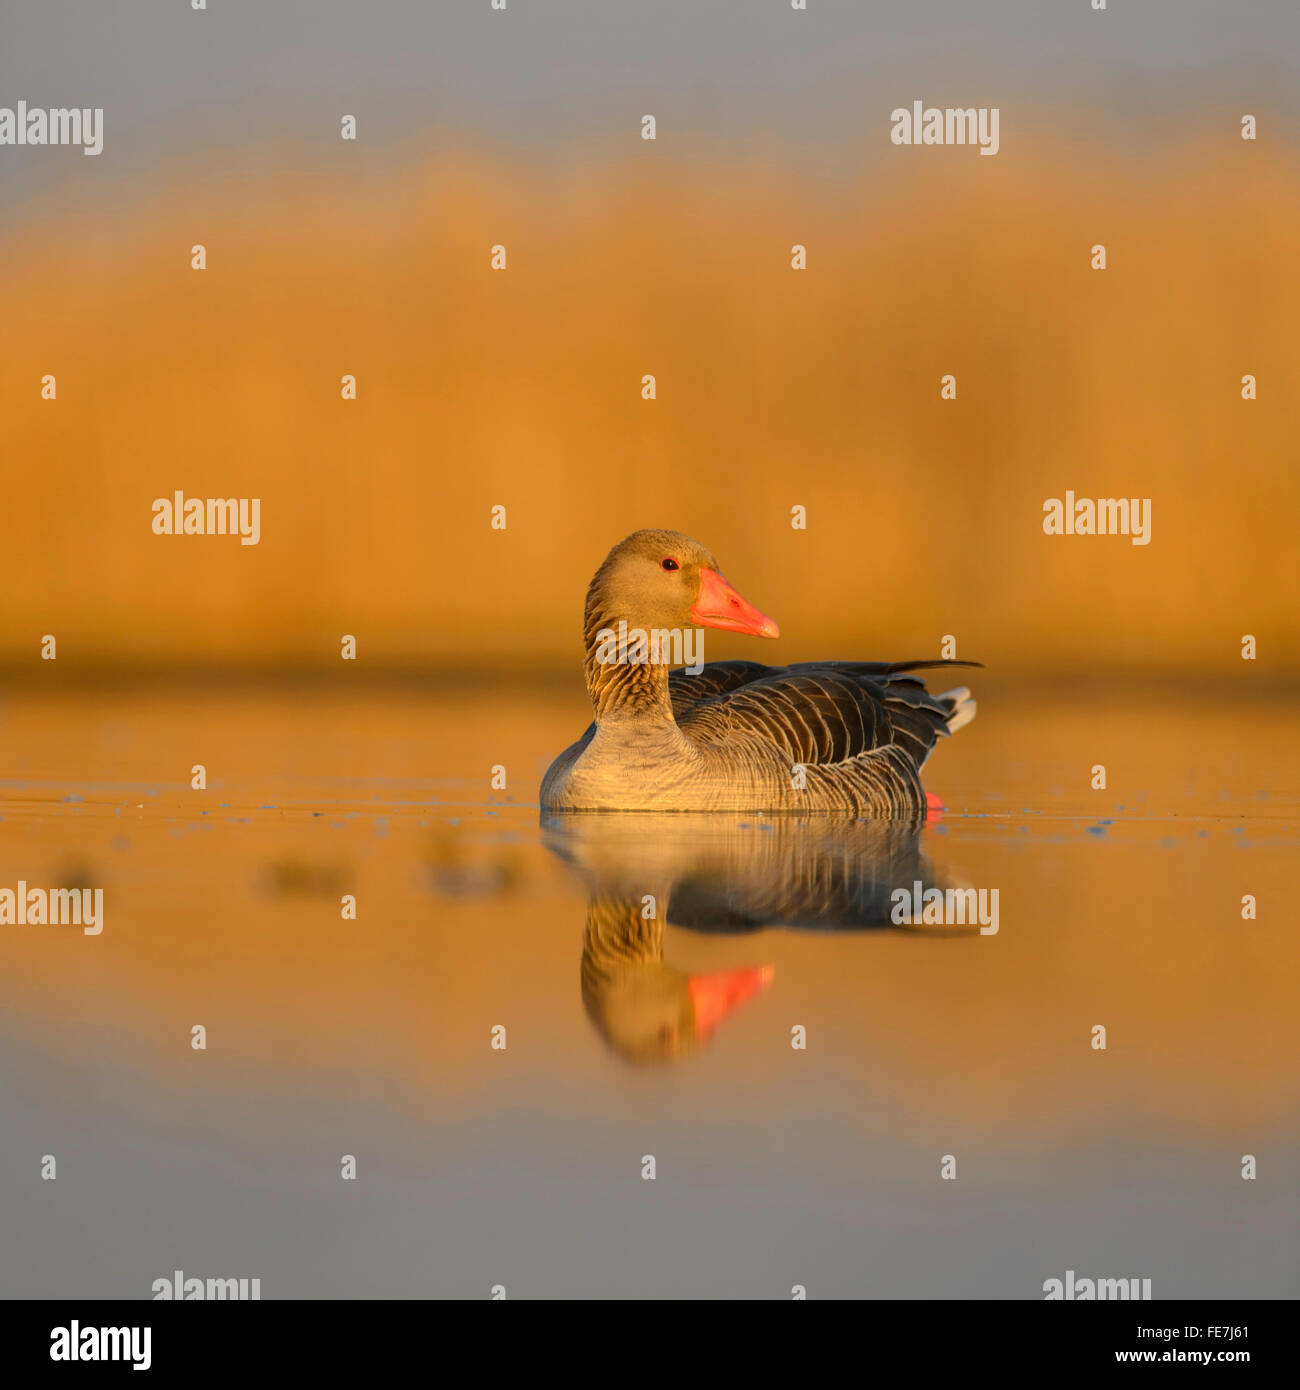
x=720 y=874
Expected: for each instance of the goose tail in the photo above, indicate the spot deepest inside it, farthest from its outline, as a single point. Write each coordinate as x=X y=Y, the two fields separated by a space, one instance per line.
x=960 y=706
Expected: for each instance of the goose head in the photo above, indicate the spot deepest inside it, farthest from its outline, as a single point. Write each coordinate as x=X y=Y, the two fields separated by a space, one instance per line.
x=663 y=579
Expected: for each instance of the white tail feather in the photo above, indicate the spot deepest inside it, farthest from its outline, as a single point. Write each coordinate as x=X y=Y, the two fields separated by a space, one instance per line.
x=963 y=708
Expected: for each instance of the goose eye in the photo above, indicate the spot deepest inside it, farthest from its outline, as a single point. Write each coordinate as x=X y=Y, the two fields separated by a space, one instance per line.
x=669 y=563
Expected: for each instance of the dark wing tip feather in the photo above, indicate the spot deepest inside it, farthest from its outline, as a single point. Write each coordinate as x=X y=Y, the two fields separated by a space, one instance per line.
x=928 y=664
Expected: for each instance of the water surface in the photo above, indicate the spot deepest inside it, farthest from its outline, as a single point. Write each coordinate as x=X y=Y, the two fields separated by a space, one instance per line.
x=775 y=1166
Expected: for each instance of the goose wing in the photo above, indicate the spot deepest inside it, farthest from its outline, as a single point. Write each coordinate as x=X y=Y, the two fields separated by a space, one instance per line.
x=686 y=688
x=826 y=712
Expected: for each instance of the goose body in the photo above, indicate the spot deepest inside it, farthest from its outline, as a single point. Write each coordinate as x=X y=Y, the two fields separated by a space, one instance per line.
x=837 y=736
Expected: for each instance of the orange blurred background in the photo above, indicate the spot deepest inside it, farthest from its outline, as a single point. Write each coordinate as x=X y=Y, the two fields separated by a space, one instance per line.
x=775 y=388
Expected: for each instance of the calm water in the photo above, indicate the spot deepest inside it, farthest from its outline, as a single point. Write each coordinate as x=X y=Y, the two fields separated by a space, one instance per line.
x=630 y=1036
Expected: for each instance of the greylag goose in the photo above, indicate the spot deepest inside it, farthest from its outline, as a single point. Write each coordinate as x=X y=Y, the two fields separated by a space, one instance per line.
x=842 y=736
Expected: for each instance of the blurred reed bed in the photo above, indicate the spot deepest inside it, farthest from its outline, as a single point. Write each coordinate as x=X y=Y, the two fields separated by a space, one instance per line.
x=775 y=388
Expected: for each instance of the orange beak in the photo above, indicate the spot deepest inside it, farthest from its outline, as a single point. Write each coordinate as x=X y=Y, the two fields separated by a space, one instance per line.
x=715 y=996
x=719 y=605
